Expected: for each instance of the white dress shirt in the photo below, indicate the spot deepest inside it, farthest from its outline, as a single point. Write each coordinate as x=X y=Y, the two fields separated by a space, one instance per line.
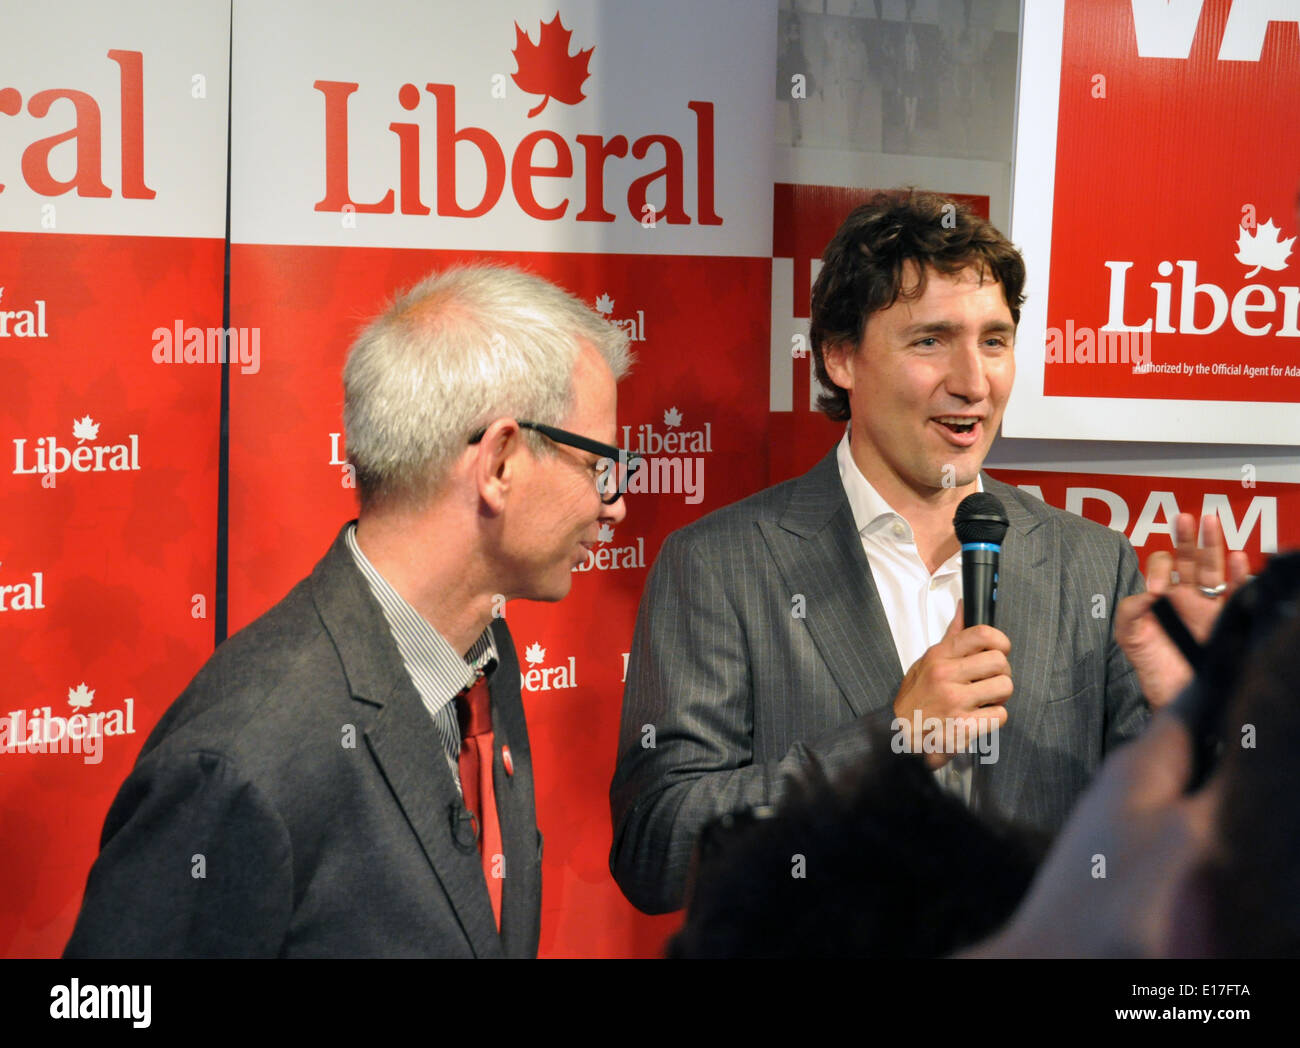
x=918 y=605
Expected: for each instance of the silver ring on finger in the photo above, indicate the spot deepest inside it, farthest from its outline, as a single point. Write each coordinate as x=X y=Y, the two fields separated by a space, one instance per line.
x=1214 y=592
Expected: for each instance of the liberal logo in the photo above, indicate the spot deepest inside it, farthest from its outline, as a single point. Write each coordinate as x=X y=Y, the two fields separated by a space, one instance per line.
x=47 y=456
x=86 y=169
x=23 y=596
x=27 y=323
x=674 y=458
x=1253 y=309
x=546 y=68
x=543 y=159
x=610 y=557
x=633 y=326
x=82 y=731
x=1263 y=249
x=547 y=678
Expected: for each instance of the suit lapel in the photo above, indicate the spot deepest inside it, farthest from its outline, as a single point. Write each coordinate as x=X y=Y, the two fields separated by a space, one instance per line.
x=402 y=739
x=1028 y=613
x=819 y=554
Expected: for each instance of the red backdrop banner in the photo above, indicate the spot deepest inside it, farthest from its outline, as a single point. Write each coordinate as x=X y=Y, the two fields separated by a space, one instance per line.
x=112 y=160
x=642 y=187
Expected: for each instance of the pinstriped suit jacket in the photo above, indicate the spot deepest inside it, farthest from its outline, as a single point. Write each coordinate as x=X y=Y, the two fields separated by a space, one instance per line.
x=744 y=695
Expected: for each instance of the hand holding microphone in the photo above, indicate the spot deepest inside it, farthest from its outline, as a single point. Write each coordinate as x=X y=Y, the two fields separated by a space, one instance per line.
x=966 y=676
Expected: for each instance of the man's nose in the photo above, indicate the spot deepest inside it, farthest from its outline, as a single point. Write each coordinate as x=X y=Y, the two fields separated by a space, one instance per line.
x=967 y=373
x=613 y=514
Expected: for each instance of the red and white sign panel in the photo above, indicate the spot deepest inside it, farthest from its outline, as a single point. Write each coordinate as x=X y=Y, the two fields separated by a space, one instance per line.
x=112 y=226
x=606 y=147
x=504 y=126
x=1258 y=517
x=1156 y=203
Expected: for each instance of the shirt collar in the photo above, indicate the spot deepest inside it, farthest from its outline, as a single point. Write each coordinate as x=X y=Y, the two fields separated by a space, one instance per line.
x=428 y=655
x=871 y=513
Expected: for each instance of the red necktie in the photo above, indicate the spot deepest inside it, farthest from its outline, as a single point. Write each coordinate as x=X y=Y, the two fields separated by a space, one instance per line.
x=474 y=712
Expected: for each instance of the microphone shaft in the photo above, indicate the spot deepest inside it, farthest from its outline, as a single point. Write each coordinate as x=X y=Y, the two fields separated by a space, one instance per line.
x=979 y=583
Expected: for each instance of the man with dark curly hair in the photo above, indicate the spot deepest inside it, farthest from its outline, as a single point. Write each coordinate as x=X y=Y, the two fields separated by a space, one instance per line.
x=782 y=633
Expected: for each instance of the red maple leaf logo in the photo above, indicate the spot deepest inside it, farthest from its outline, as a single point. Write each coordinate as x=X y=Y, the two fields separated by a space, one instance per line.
x=546 y=68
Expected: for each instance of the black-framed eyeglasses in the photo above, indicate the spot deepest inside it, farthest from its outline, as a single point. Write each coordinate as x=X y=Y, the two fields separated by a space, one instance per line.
x=614 y=469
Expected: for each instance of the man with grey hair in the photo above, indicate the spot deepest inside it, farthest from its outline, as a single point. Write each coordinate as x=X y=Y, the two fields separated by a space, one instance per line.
x=350 y=775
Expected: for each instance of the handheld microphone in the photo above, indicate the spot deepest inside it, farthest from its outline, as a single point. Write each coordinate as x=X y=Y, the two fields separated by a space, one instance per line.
x=980 y=522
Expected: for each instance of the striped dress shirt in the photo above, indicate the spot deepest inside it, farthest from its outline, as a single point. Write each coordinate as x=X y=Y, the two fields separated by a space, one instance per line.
x=437 y=671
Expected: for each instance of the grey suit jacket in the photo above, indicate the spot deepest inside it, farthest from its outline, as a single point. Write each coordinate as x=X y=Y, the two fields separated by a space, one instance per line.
x=295 y=801
x=731 y=693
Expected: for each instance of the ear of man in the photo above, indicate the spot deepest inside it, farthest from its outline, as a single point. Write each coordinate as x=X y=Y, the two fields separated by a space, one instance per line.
x=837 y=356
x=496 y=463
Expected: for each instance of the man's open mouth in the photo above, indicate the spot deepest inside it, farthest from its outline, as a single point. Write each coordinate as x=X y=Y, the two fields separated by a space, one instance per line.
x=957 y=423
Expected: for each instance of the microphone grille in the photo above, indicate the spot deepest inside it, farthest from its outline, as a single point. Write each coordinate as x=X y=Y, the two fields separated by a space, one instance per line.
x=980 y=518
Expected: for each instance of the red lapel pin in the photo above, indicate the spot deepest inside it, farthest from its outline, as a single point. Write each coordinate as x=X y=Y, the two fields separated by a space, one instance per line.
x=507 y=760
